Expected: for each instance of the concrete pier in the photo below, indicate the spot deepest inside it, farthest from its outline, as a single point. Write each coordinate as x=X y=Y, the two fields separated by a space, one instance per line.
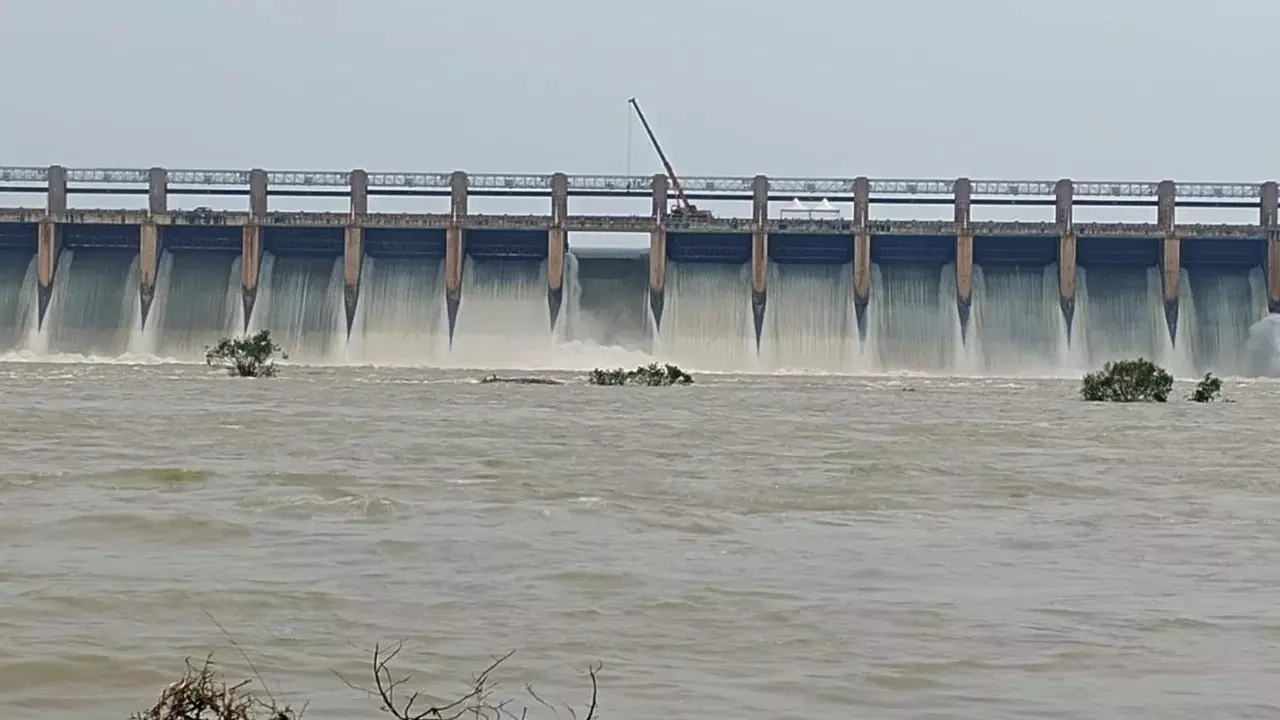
x=759 y=250
x=454 y=247
x=964 y=254
x=148 y=264
x=1063 y=192
x=557 y=244
x=49 y=239
x=861 y=253
x=658 y=250
x=353 y=245
x=1267 y=219
x=251 y=245
x=1170 y=254
x=149 y=239
x=47 y=251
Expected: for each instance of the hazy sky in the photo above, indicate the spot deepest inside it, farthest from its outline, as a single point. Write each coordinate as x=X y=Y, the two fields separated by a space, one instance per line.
x=1017 y=89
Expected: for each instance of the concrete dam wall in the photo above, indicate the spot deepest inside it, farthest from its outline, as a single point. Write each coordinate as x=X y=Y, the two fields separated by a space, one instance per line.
x=810 y=320
x=713 y=294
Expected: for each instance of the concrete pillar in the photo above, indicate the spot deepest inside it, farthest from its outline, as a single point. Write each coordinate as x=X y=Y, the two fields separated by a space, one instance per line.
x=250 y=260
x=358 y=180
x=861 y=252
x=353 y=244
x=49 y=239
x=48 y=248
x=158 y=190
x=963 y=191
x=56 y=203
x=454 y=247
x=251 y=244
x=352 y=264
x=557 y=243
x=1171 y=254
x=149 y=247
x=149 y=250
x=759 y=250
x=658 y=250
x=1269 y=200
x=1064 y=191
x=257 y=192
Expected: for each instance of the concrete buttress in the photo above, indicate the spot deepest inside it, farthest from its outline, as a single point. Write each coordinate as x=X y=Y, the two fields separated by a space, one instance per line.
x=149 y=250
x=454 y=248
x=49 y=240
x=557 y=243
x=353 y=245
x=658 y=250
x=1170 y=255
x=759 y=251
x=861 y=253
x=964 y=254
x=250 y=260
x=251 y=242
x=149 y=246
x=48 y=248
x=1064 y=193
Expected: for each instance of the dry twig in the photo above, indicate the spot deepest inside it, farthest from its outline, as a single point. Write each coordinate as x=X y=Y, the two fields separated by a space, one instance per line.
x=201 y=694
x=477 y=702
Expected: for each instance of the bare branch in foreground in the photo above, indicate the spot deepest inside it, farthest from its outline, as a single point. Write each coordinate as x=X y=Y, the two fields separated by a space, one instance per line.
x=476 y=703
x=592 y=706
x=202 y=694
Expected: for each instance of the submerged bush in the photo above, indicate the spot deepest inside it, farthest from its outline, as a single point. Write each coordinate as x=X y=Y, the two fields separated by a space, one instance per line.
x=202 y=694
x=1127 y=381
x=248 y=356
x=1207 y=390
x=652 y=374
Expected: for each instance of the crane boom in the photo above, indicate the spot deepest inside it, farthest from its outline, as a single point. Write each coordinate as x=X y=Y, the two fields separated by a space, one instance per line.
x=684 y=207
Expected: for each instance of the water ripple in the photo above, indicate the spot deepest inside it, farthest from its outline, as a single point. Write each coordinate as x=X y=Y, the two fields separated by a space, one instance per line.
x=791 y=546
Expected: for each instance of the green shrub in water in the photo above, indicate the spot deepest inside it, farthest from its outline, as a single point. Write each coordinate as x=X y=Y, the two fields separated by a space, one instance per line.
x=652 y=374
x=1207 y=390
x=248 y=356
x=1127 y=381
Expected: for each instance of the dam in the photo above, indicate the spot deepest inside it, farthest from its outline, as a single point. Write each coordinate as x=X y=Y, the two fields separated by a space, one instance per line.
x=763 y=292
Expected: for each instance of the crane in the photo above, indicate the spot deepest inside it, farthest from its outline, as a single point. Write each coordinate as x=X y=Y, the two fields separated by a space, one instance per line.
x=683 y=207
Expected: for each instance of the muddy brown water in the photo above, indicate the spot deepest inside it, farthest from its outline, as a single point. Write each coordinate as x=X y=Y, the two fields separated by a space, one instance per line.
x=775 y=547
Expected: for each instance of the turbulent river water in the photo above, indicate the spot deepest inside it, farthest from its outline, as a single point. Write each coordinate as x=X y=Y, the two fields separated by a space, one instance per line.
x=767 y=546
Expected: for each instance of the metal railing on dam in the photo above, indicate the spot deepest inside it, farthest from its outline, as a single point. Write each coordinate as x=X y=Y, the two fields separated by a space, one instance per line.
x=859 y=241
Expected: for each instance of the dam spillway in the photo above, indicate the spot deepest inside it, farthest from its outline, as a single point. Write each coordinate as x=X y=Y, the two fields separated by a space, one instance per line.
x=759 y=293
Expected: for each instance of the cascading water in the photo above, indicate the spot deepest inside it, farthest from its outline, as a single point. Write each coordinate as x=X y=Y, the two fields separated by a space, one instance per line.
x=1120 y=315
x=1217 y=310
x=707 y=322
x=912 y=319
x=503 y=319
x=400 y=315
x=197 y=303
x=810 y=323
x=17 y=297
x=300 y=300
x=1262 y=350
x=1017 y=327
x=95 y=306
x=607 y=303
x=570 y=316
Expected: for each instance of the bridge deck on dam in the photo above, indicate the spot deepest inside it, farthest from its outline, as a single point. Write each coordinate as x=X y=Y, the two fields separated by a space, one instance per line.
x=628 y=224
